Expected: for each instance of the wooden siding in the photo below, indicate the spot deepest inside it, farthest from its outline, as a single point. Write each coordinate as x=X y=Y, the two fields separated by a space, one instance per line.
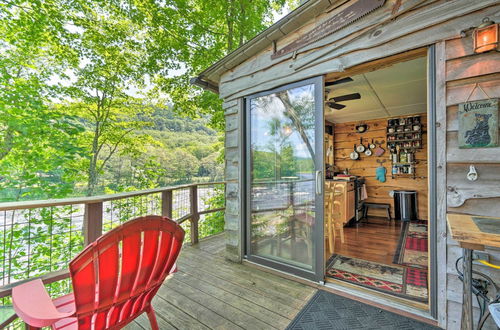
x=344 y=139
x=463 y=70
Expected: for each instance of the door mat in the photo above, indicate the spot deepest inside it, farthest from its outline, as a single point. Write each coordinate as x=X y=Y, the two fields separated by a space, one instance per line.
x=326 y=310
x=412 y=249
x=409 y=283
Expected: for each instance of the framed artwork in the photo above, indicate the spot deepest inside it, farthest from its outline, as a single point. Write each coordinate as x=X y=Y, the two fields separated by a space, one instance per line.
x=478 y=124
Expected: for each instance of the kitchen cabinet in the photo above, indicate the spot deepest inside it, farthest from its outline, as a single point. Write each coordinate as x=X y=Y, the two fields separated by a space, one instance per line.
x=346 y=196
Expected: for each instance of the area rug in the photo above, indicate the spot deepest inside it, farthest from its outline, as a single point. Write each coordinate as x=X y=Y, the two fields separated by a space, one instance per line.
x=329 y=311
x=412 y=249
x=409 y=283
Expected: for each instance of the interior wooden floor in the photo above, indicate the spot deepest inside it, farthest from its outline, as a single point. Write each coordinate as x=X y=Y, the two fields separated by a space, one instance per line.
x=373 y=240
x=209 y=292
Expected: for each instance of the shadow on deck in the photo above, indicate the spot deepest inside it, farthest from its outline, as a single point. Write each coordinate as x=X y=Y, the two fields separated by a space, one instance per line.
x=209 y=292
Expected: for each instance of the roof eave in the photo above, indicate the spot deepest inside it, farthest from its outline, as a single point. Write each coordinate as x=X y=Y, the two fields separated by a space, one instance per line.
x=209 y=78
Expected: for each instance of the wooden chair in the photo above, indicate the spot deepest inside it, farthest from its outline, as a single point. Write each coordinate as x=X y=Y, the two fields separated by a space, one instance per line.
x=333 y=220
x=338 y=200
x=114 y=279
x=329 y=232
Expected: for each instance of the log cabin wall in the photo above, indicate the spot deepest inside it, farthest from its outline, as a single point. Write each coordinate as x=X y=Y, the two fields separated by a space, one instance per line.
x=463 y=69
x=344 y=139
x=397 y=27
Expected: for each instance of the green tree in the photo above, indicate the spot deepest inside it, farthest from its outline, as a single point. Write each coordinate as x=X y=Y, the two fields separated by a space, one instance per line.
x=112 y=63
x=37 y=144
x=186 y=37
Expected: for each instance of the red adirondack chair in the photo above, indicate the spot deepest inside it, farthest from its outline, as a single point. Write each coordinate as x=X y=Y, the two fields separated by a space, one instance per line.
x=114 y=279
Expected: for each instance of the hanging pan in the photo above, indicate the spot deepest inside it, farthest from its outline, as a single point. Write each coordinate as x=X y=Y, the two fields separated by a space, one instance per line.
x=354 y=154
x=360 y=147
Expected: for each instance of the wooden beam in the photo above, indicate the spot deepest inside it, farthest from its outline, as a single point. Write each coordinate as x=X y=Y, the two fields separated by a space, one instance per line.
x=441 y=228
x=93 y=199
x=92 y=222
x=473 y=66
x=195 y=216
x=166 y=203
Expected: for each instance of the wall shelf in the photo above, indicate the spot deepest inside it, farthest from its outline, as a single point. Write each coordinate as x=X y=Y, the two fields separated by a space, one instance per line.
x=403 y=145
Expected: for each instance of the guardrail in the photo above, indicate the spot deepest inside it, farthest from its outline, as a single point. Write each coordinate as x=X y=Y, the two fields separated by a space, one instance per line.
x=39 y=238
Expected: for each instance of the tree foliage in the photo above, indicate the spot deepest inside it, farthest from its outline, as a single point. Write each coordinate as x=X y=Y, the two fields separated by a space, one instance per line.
x=94 y=98
x=187 y=36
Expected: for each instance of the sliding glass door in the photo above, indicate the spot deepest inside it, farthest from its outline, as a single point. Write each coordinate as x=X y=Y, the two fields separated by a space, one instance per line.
x=284 y=181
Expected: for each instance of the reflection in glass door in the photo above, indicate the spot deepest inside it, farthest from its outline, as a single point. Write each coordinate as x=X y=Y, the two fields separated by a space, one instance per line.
x=284 y=181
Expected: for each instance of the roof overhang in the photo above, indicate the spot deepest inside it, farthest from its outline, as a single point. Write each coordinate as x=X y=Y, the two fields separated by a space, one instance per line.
x=209 y=78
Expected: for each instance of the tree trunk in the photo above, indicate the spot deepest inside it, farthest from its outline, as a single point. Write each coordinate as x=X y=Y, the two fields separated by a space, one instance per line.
x=94 y=156
x=8 y=143
x=242 y=23
x=230 y=26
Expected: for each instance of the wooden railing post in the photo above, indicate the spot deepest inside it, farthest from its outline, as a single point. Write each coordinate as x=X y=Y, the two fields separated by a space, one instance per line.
x=166 y=203
x=195 y=216
x=92 y=222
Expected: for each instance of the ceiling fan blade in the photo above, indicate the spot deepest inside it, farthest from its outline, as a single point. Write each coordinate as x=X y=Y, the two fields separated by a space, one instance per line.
x=347 y=97
x=336 y=106
x=340 y=81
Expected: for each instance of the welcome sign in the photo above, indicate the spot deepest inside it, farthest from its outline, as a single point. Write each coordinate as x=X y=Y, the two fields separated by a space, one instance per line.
x=478 y=124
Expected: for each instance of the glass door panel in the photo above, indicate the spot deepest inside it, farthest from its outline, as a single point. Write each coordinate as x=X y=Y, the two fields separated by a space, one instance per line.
x=284 y=177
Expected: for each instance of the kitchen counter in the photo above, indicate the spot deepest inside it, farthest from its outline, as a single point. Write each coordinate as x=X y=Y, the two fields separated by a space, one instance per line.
x=340 y=178
x=344 y=190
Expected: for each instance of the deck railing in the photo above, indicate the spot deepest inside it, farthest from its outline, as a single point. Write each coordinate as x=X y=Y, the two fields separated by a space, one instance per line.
x=39 y=238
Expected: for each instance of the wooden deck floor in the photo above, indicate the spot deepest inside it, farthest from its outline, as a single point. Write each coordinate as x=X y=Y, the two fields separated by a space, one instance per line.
x=209 y=292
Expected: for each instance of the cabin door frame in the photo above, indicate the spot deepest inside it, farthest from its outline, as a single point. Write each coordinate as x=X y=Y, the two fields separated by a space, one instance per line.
x=432 y=179
x=430 y=53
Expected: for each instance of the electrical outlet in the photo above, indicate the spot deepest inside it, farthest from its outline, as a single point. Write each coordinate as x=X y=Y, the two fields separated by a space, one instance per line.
x=478 y=255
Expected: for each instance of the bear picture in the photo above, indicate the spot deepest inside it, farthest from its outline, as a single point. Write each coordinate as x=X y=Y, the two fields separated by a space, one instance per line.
x=478 y=124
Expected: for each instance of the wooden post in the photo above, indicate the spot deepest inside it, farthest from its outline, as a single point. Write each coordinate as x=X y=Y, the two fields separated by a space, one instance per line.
x=467 y=322
x=166 y=203
x=195 y=216
x=92 y=222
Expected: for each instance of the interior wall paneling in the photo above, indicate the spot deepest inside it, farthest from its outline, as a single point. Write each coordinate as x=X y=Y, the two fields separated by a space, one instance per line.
x=346 y=137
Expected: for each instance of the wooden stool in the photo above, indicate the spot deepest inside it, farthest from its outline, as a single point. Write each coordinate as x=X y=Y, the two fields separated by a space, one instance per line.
x=385 y=206
x=332 y=215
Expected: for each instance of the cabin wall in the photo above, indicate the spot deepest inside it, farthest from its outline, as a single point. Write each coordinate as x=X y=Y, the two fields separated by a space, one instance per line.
x=233 y=227
x=463 y=70
x=397 y=27
x=345 y=136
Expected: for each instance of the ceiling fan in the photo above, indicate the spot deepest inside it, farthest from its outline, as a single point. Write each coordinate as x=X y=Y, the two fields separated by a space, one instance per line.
x=348 y=97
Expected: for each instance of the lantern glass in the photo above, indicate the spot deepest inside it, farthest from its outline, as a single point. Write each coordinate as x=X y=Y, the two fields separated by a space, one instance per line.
x=486 y=38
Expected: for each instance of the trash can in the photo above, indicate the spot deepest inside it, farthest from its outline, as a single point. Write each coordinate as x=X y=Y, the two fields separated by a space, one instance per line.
x=405 y=205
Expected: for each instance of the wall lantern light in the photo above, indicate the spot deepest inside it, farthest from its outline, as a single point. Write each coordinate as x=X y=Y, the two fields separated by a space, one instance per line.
x=485 y=37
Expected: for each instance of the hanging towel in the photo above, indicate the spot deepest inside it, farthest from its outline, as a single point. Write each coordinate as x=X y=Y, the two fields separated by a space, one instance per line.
x=364 y=194
x=380 y=173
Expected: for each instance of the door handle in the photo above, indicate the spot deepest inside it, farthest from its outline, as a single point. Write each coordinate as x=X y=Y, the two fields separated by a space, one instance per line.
x=319 y=187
